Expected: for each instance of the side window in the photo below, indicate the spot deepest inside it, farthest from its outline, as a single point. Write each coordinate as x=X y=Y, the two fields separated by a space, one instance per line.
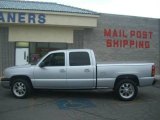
x=79 y=58
x=55 y=59
x=46 y=61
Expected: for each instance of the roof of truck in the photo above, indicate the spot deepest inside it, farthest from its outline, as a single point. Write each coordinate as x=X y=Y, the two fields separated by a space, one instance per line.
x=71 y=50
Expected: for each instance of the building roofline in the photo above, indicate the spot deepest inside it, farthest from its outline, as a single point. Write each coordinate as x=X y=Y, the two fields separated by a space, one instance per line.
x=51 y=9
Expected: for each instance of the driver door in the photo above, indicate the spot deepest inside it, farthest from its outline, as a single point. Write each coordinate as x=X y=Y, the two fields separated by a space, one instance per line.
x=52 y=74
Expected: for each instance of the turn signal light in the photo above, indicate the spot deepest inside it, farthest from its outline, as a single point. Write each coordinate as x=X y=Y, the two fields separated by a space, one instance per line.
x=153 y=70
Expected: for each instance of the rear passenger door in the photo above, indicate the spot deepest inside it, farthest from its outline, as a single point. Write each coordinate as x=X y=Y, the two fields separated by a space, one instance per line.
x=79 y=71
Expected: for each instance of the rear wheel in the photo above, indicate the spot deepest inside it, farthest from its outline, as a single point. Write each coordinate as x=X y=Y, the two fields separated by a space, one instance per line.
x=126 y=90
x=20 y=88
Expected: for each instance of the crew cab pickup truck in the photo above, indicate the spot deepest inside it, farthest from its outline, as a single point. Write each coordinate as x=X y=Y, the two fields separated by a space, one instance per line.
x=77 y=69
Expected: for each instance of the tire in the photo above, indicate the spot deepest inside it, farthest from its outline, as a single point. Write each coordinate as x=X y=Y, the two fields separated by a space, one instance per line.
x=126 y=90
x=21 y=88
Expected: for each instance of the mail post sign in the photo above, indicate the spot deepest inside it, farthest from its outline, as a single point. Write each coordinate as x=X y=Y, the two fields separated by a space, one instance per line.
x=22 y=18
x=120 y=38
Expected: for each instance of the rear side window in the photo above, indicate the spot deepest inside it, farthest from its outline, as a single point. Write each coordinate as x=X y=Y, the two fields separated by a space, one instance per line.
x=79 y=58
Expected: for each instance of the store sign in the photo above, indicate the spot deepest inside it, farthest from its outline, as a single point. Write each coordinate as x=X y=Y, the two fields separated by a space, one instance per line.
x=120 y=38
x=21 y=17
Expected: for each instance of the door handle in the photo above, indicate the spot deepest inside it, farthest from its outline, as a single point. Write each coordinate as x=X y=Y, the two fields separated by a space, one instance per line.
x=86 y=70
x=62 y=70
x=24 y=55
x=27 y=59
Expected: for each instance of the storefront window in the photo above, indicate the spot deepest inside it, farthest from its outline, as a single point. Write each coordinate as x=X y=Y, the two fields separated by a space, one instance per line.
x=38 y=50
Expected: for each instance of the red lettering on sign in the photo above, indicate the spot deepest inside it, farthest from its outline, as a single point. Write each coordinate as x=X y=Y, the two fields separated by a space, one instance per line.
x=107 y=33
x=141 y=44
x=115 y=34
x=141 y=34
x=147 y=44
x=131 y=43
x=109 y=43
x=132 y=33
x=119 y=38
x=125 y=43
x=144 y=35
x=138 y=34
x=116 y=43
x=150 y=35
x=124 y=35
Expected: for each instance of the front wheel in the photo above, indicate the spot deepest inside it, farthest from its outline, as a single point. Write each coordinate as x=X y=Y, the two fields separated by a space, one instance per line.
x=126 y=90
x=20 y=88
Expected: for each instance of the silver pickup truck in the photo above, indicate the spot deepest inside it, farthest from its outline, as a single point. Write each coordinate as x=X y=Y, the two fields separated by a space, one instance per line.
x=77 y=69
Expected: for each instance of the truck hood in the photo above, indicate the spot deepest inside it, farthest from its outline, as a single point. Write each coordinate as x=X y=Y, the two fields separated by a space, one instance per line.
x=19 y=70
x=21 y=66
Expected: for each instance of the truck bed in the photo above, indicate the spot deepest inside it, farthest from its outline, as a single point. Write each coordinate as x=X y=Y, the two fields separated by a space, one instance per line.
x=107 y=73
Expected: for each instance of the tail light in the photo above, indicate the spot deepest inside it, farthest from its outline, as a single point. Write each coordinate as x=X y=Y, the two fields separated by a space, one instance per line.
x=153 y=70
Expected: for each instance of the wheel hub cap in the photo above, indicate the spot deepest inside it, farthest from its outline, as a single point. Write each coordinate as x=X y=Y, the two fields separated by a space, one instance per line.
x=19 y=89
x=126 y=90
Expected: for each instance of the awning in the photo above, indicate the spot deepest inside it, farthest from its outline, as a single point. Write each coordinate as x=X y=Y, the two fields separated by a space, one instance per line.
x=40 y=34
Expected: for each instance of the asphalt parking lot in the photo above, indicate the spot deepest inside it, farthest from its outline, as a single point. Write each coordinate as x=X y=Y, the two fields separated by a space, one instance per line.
x=90 y=105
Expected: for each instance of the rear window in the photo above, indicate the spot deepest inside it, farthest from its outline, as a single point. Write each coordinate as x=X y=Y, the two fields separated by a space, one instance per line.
x=79 y=59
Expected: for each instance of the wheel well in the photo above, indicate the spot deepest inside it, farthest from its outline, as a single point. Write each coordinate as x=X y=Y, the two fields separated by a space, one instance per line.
x=23 y=77
x=134 y=78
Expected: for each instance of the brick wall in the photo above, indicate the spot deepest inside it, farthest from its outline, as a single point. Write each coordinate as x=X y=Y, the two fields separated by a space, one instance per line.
x=78 y=40
x=6 y=50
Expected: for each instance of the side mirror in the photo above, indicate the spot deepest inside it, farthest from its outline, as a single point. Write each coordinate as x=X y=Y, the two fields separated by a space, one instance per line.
x=42 y=64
